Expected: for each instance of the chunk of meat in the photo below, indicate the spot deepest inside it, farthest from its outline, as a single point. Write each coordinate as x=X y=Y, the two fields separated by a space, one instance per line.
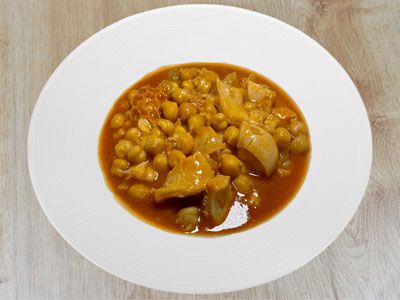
x=231 y=79
x=188 y=178
x=146 y=103
x=219 y=199
x=258 y=92
x=258 y=148
x=261 y=94
x=230 y=103
x=207 y=141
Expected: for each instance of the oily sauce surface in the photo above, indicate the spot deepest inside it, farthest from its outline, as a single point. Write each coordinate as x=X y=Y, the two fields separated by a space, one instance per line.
x=275 y=191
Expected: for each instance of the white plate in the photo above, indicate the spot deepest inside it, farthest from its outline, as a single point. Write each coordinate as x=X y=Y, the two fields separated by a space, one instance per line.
x=66 y=122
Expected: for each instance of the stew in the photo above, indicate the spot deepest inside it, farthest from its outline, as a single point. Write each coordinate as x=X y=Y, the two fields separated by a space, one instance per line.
x=204 y=148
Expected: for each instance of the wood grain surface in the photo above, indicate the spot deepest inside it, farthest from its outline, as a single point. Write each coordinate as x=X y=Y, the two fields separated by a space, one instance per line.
x=364 y=261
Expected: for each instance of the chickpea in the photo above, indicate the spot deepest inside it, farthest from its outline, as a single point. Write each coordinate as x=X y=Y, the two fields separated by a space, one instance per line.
x=195 y=123
x=144 y=125
x=154 y=145
x=139 y=191
x=119 y=133
x=150 y=174
x=118 y=166
x=120 y=163
x=282 y=137
x=170 y=144
x=243 y=183
x=179 y=130
x=296 y=128
x=285 y=167
x=202 y=85
x=187 y=110
x=248 y=105
x=137 y=171
x=174 y=75
x=137 y=155
x=168 y=86
x=219 y=122
x=265 y=114
x=188 y=218
x=181 y=95
x=231 y=135
x=131 y=94
x=270 y=124
x=125 y=105
x=170 y=110
x=117 y=172
x=187 y=84
x=254 y=199
x=300 y=144
x=174 y=157
x=126 y=114
x=284 y=114
x=117 y=120
x=189 y=73
x=160 y=162
x=173 y=86
x=157 y=132
x=256 y=117
x=166 y=126
x=218 y=117
x=122 y=148
x=230 y=165
x=133 y=134
x=142 y=141
x=185 y=143
x=210 y=108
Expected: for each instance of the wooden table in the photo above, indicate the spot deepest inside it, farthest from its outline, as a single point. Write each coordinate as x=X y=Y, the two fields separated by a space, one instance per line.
x=35 y=262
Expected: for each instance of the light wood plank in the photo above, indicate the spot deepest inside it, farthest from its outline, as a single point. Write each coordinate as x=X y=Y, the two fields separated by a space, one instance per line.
x=7 y=183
